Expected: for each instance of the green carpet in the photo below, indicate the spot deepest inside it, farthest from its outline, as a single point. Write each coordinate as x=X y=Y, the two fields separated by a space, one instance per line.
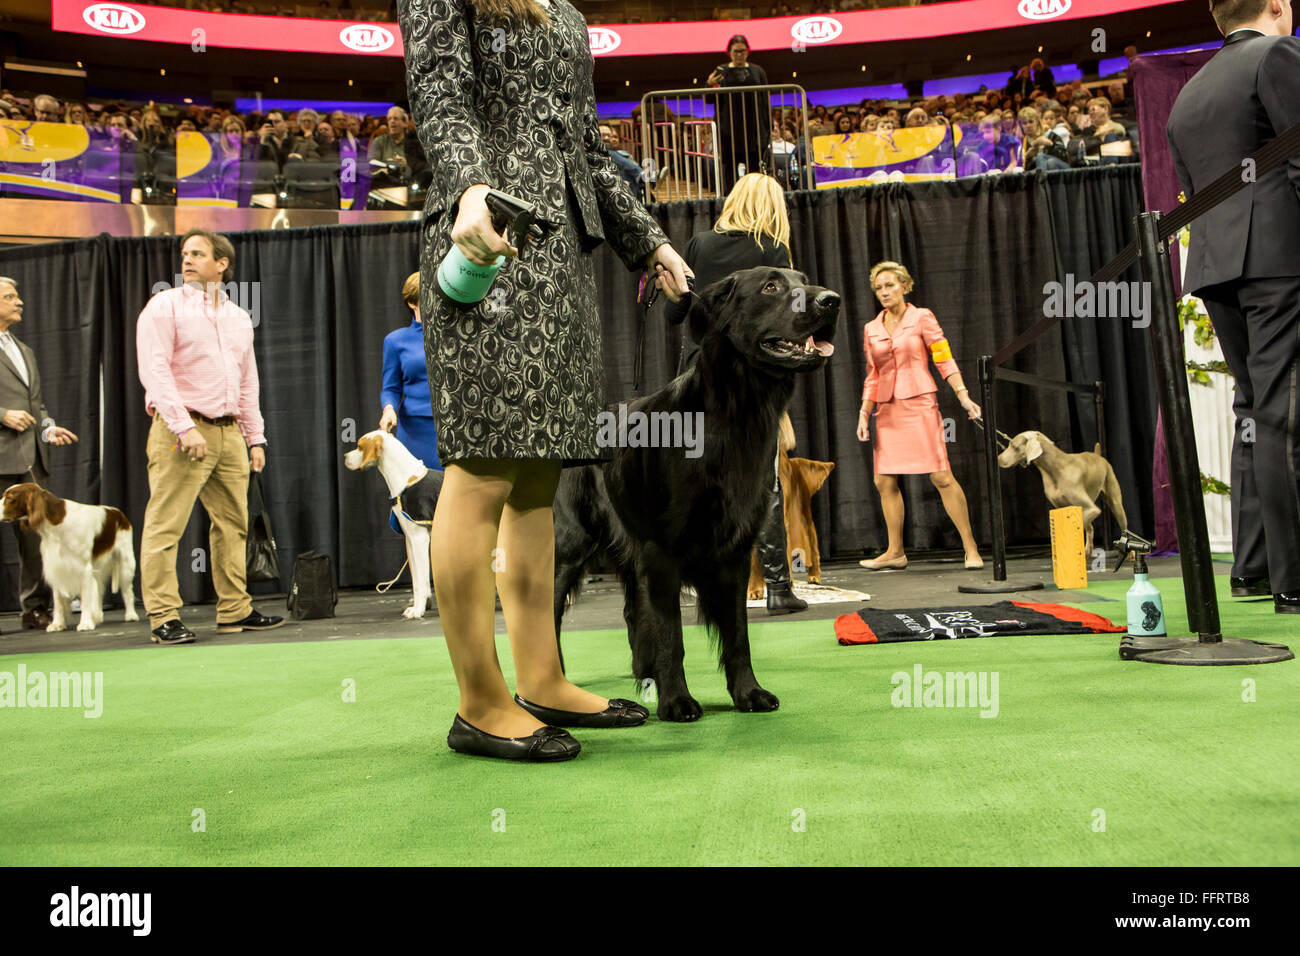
x=1175 y=764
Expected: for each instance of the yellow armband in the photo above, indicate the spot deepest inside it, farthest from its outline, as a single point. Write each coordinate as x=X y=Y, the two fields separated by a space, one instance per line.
x=940 y=351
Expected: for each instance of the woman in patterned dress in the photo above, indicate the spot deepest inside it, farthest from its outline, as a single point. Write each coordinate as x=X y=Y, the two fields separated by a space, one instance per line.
x=502 y=98
x=900 y=342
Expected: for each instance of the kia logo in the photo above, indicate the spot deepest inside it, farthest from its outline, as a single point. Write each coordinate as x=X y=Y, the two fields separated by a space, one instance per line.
x=602 y=40
x=816 y=29
x=1042 y=9
x=113 y=18
x=366 y=38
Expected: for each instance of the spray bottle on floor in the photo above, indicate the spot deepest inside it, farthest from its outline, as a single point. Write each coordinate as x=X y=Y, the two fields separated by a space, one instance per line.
x=1146 y=611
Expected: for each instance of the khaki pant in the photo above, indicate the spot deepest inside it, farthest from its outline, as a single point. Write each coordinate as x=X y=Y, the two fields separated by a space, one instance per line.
x=220 y=481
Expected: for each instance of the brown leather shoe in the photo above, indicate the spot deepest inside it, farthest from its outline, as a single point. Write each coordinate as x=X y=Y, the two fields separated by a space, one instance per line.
x=37 y=619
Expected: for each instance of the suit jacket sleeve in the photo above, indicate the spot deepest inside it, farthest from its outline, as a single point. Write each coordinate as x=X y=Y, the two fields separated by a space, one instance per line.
x=392 y=391
x=629 y=229
x=440 y=81
x=932 y=333
x=873 y=376
x=1279 y=93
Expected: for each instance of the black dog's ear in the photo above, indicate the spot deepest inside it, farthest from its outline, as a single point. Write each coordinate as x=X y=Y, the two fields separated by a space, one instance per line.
x=705 y=305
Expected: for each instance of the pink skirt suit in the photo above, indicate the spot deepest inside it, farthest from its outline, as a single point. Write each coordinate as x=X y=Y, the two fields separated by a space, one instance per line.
x=909 y=431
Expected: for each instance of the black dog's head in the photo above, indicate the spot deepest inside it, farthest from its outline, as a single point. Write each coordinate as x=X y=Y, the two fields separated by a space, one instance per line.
x=772 y=317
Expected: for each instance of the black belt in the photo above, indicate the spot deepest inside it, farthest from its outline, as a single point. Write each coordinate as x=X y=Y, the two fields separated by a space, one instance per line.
x=223 y=420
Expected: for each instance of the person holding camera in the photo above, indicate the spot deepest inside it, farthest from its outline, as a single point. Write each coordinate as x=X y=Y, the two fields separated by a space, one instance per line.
x=743 y=120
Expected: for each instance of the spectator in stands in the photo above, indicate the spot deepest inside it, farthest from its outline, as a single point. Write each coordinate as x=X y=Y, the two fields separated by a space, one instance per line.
x=886 y=126
x=390 y=147
x=870 y=122
x=627 y=165
x=45 y=109
x=917 y=117
x=1022 y=82
x=117 y=126
x=338 y=120
x=741 y=133
x=1042 y=75
x=329 y=144
x=1000 y=152
x=843 y=124
x=274 y=138
x=1052 y=142
x=186 y=126
x=1103 y=129
x=894 y=117
x=306 y=146
x=75 y=113
x=1073 y=115
x=230 y=142
x=214 y=122
x=1121 y=107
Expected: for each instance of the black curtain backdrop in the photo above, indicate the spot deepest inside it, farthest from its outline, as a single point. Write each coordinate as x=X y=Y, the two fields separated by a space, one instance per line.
x=981 y=251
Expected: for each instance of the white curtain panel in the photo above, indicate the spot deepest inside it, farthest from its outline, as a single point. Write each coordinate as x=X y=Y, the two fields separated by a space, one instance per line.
x=1213 y=419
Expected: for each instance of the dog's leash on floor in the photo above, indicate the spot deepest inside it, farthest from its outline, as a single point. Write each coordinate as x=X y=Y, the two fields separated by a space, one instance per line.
x=383 y=588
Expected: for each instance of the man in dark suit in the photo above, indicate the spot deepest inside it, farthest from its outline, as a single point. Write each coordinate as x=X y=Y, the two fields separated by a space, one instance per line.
x=1244 y=263
x=27 y=429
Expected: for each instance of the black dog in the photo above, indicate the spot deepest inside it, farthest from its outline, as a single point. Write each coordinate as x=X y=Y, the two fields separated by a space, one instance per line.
x=666 y=518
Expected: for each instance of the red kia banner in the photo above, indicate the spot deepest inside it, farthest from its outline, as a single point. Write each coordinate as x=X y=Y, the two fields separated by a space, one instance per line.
x=200 y=30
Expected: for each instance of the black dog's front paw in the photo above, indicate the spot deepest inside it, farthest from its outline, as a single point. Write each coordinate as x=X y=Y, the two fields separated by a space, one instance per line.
x=681 y=709
x=755 y=701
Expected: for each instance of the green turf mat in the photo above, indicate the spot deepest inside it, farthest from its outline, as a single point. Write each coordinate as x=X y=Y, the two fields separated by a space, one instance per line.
x=1176 y=764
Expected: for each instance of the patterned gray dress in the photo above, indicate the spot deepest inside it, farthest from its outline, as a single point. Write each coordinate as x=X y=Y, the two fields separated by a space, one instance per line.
x=519 y=375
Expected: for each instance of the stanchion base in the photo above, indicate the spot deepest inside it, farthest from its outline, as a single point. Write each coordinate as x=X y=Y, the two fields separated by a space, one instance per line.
x=1000 y=587
x=1189 y=650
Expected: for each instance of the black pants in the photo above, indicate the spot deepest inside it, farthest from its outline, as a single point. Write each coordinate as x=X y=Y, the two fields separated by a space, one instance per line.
x=33 y=591
x=1258 y=325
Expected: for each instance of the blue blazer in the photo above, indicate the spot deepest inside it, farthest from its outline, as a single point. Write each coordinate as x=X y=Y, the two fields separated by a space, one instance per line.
x=406 y=380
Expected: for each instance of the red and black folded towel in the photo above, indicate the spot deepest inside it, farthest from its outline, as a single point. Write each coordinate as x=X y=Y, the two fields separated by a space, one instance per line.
x=882 y=626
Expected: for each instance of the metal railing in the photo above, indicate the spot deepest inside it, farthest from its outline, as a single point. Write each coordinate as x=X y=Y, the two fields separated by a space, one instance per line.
x=696 y=143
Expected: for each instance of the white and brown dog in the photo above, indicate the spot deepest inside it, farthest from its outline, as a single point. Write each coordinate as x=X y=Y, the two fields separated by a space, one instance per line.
x=1069 y=479
x=83 y=547
x=413 y=491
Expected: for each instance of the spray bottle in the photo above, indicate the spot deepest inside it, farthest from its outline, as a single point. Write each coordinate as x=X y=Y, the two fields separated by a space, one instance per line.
x=1146 y=612
x=462 y=282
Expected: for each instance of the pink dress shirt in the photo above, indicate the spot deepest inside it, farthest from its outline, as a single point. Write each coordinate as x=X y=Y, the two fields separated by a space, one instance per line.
x=899 y=365
x=193 y=356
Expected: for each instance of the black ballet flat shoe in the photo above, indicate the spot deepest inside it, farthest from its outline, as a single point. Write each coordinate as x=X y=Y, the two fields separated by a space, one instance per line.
x=545 y=744
x=619 y=713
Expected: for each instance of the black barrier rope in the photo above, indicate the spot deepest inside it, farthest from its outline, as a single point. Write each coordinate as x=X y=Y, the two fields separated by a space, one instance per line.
x=1272 y=154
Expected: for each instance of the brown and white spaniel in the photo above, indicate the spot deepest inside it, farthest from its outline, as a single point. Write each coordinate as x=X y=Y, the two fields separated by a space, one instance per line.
x=83 y=547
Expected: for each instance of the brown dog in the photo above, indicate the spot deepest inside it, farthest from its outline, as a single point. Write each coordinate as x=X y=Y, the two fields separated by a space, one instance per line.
x=1069 y=479
x=801 y=478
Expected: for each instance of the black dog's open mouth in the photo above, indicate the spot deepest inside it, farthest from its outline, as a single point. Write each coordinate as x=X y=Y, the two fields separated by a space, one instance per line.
x=816 y=346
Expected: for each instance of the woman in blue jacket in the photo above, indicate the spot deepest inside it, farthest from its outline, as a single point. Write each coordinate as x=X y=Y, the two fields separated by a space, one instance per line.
x=405 y=398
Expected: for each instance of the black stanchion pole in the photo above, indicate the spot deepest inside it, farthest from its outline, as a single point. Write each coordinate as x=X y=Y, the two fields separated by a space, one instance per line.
x=1210 y=647
x=1099 y=408
x=1180 y=435
x=999 y=584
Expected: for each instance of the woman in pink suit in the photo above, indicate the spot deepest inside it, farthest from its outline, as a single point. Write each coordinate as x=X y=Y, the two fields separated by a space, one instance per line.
x=899 y=343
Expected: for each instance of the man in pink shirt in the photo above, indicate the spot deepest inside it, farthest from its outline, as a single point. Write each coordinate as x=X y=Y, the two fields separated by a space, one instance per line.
x=195 y=352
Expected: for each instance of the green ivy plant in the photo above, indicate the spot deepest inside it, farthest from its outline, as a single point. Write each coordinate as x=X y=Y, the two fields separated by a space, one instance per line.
x=1212 y=485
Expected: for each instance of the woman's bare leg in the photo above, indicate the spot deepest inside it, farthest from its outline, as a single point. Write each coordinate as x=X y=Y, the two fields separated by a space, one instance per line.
x=891 y=503
x=526 y=582
x=954 y=502
x=461 y=543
